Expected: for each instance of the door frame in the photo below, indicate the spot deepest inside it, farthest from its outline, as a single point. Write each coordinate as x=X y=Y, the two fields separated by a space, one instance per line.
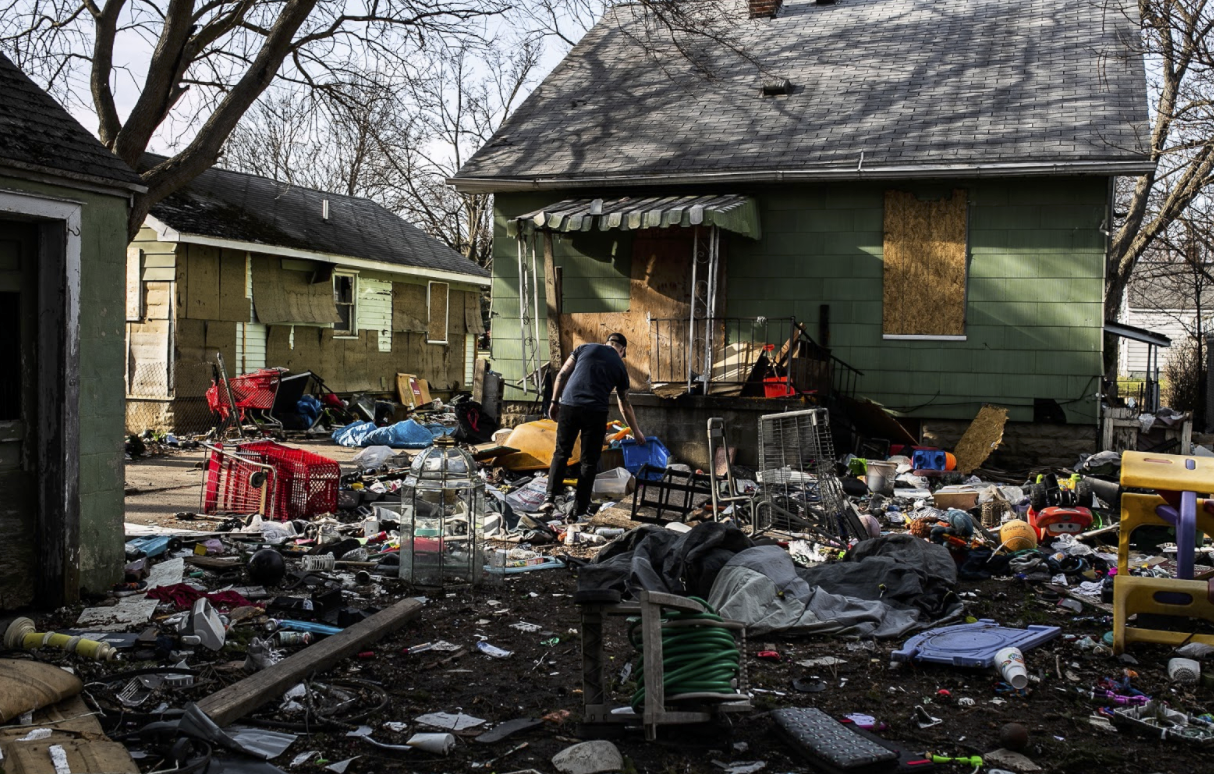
x=57 y=429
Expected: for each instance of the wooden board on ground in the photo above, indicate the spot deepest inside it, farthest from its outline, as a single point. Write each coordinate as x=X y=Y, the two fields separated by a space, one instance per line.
x=239 y=699
x=981 y=438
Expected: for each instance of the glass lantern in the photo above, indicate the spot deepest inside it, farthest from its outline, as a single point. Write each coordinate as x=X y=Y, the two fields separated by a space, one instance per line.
x=442 y=515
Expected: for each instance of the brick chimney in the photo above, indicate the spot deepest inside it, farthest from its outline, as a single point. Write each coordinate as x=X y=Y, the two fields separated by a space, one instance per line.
x=760 y=9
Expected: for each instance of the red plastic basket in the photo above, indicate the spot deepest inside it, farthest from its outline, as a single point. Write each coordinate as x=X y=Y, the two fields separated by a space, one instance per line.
x=236 y=485
x=307 y=483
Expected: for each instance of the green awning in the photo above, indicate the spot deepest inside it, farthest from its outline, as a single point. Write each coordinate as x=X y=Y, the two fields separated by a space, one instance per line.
x=730 y=212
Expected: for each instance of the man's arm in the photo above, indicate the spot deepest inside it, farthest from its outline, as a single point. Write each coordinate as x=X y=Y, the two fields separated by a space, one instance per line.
x=629 y=415
x=558 y=387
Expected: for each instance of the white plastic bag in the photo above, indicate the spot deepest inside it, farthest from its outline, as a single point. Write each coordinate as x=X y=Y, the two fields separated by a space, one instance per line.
x=613 y=483
x=372 y=457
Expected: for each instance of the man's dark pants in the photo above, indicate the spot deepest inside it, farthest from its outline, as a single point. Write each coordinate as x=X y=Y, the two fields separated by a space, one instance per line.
x=591 y=425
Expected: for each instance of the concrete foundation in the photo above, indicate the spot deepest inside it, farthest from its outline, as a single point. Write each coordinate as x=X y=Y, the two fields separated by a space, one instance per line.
x=1025 y=444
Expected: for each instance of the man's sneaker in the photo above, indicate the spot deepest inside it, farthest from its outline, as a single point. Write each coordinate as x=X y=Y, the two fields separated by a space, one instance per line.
x=548 y=506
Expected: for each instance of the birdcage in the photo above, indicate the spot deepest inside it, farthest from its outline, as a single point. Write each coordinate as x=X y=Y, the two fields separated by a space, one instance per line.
x=801 y=491
x=442 y=518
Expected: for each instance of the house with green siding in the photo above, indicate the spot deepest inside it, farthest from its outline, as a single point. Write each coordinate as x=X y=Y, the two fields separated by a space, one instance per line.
x=64 y=201
x=926 y=188
x=267 y=274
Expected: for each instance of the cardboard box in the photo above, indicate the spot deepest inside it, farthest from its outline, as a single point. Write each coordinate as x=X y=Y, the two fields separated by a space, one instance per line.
x=961 y=500
x=413 y=391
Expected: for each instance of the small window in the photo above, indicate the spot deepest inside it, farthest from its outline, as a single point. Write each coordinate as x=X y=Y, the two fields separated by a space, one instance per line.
x=344 y=293
x=439 y=297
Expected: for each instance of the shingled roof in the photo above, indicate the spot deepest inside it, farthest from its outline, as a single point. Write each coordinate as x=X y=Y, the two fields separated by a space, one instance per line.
x=881 y=88
x=225 y=205
x=38 y=135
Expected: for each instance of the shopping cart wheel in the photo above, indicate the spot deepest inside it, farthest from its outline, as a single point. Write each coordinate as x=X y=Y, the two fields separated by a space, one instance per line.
x=257 y=479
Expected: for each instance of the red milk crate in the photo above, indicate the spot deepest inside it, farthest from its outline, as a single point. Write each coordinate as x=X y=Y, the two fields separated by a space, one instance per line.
x=307 y=482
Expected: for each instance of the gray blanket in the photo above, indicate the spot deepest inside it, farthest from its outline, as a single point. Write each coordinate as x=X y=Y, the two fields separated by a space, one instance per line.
x=885 y=588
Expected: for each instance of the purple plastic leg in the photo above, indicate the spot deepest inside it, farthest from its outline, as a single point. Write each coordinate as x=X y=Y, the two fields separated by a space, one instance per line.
x=1186 y=535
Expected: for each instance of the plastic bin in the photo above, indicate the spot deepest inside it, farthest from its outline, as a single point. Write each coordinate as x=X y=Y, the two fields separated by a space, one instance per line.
x=777 y=387
x=653 y=452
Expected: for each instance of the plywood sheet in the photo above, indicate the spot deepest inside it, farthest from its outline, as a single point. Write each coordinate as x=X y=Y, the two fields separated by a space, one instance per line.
x=439 y=302
x=925 y=265
x=286 y=296
x=202 y=302
x=233 y=285
x=473 y=321
x=408 y=307
x=660 y=287
x=981 y=438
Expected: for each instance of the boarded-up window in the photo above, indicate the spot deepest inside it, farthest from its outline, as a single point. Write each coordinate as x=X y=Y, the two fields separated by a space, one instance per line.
x=472 y=313
x=439 y=298
x=925 y=255
x=408 y=307
x=284 y=296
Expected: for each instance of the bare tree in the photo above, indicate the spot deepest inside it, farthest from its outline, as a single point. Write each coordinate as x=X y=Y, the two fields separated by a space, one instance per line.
x=207 y=61
x=197 y=66
x=398 y=139
x=1175 y=39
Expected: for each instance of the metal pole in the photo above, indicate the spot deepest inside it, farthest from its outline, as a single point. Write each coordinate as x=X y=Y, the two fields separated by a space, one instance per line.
x=522 y=309
x=535 y=289
x=691 y=324
x=713 y=243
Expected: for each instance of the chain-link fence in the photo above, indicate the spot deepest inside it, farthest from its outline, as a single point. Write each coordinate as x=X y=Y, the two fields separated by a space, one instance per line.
x=169 y=397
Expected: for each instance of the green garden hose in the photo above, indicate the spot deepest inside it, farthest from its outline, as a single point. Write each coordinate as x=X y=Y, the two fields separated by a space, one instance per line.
x=699 y=655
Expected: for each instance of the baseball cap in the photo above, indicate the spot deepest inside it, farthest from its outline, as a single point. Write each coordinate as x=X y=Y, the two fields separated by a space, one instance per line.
x=618 y=338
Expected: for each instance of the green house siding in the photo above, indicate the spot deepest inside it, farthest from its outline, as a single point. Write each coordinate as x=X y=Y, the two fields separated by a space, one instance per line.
x=101 y=409
x=1034 y=293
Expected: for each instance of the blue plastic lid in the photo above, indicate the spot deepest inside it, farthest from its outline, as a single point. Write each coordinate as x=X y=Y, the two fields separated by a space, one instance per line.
x=971 y=645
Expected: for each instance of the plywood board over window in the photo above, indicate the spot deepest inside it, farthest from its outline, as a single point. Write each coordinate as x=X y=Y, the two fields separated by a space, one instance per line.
x=926 y=262
x=439 y=303
x=408 y=307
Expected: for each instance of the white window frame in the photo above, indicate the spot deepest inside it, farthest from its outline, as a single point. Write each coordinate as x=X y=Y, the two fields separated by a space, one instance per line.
x=430 y=313
x=352 y=333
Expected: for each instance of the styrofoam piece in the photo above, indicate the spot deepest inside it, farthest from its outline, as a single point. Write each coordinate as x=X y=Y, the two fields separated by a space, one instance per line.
x=971 y=645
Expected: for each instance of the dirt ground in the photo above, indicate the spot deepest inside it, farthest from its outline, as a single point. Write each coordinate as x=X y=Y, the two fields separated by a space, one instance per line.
x=542 y=679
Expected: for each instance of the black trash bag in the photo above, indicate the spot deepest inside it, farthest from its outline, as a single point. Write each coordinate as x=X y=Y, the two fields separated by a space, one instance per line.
x=475 y=426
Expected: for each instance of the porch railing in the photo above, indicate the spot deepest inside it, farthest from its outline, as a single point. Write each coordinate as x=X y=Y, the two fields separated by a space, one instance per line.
x=721 y=354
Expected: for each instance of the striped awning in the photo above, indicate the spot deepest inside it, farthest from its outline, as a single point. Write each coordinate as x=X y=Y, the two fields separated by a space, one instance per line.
x=731 y=212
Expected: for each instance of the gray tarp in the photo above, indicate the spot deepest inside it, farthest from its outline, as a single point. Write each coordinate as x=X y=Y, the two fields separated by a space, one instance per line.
x=761 y=588
x=886 y=587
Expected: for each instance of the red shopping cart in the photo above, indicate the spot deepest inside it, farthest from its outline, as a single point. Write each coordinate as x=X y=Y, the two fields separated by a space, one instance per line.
x=298 y=483
x=245 y=397
x=235 y=485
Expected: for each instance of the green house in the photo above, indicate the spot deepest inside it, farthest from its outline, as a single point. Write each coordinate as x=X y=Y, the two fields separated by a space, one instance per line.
x=922 y=189
x=64 y=201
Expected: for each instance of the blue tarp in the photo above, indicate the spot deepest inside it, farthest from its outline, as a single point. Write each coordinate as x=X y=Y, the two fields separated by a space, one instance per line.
x=402 y=435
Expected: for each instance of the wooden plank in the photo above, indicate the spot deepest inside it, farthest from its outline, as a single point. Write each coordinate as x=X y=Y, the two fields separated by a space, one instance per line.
x=553 y=304
x=439 y=302
x=158 y=299
x=239 y=699
x=134 y=288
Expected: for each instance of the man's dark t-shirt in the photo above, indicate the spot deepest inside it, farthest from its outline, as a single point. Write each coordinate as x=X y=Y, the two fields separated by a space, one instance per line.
x=597 y=370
